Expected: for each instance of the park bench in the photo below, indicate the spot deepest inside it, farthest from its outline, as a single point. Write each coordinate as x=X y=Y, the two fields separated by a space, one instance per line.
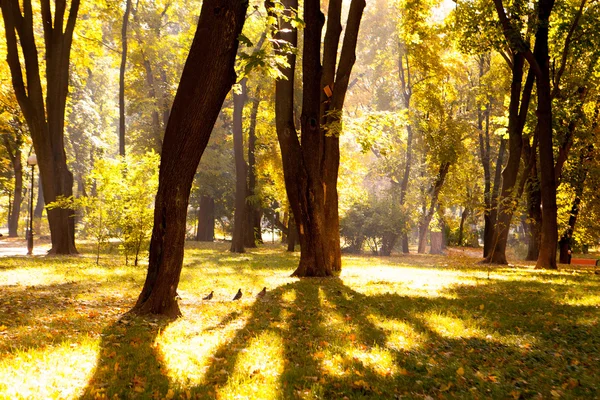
x=585 y=261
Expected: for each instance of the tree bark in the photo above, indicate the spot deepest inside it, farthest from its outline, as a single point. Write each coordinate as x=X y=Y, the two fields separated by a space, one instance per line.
x=292 y=235
x=207 y=77
x=534 y=215
x=14 y=154
x=463 y=218
x=45 y=119
x=17 y=198
x=157 y=128
x=206 y=220
x=122 y=78
x=516 y=123
x=436 y=242
x=406 y=86
x=311 y=164
x=548 y=243
x=252 y=234
x=435 y=192
x=241 y=187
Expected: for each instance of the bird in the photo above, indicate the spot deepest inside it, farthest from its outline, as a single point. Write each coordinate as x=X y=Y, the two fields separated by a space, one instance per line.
x=238 y=295
x=262 y=293
x=210 y=296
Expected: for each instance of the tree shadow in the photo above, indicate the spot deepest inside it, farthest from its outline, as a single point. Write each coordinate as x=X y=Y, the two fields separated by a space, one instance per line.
x=336 y=341
x=128 y=364
x=37 y=316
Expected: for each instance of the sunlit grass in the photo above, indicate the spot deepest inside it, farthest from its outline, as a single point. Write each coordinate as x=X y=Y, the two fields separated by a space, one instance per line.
x=400 y=327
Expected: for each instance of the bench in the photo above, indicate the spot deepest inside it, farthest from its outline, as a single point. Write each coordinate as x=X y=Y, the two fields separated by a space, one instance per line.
x=585 y=261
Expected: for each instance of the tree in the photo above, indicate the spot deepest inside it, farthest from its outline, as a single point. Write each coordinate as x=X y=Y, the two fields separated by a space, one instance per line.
x=45 y=118
x=13 y=132
x=241 y=187
x=311 y=162
x=122 y=78
x=207 y=77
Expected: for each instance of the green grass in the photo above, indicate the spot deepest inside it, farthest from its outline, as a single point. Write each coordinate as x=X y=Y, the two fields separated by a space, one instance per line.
x=401 y=327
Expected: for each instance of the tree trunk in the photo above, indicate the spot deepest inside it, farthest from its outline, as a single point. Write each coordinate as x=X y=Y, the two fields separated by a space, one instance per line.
x=292 y=235
x=45 y=119
x=405 y=81
x=252 y=234
x=241 y=187
x=435 y=192
x=311 y=164
x=157 y=129
x=38 y=211
x=567 y=237
x=17 y=197
x=122 y=78
x=548 y=242
x=491 y=218
x=534 y=215
x=206 y=220
x=516 y=122
x=461 y=227
x=207 y=77
x=566 y=240
x=436 y=242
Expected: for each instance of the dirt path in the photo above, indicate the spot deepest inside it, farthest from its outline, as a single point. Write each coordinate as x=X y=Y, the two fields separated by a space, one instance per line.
x=11 y=247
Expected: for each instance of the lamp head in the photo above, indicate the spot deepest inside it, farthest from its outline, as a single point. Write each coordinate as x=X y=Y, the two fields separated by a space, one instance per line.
x=32 y=160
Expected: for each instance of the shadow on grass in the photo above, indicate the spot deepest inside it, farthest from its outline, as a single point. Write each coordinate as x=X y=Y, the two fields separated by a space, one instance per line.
x=128 y=364
x=495 y=339
x=36 y=316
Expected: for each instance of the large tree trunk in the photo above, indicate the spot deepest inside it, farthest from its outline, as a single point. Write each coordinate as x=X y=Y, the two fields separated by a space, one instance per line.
x=207 y=77
x=435 y=192
x=516 y=122
x=548 y=242
x=206 y=220
x=122 y=78
x=45 y=119
x=310 y=165
x=241 y=187
x=437 y=239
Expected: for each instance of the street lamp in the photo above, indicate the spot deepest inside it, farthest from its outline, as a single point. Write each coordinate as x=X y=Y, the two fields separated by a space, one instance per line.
x=31 y=160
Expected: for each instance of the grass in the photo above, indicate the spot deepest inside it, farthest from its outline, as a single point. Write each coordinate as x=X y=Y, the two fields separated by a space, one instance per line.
x=403 y=327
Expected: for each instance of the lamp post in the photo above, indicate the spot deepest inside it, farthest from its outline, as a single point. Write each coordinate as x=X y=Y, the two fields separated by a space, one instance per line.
x=31 y=160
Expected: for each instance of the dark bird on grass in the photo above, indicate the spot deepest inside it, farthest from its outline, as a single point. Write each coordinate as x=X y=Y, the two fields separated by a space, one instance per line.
x=262 y=293
x=238 y=295
x=210 y=296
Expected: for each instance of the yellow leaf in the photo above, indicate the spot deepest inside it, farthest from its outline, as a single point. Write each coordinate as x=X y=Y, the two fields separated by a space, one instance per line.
x=481 y=307
x=403 y=371
x=445 y=388
x=117 y=367
x=170 y=394
x=460 y=371
x=138 y=389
